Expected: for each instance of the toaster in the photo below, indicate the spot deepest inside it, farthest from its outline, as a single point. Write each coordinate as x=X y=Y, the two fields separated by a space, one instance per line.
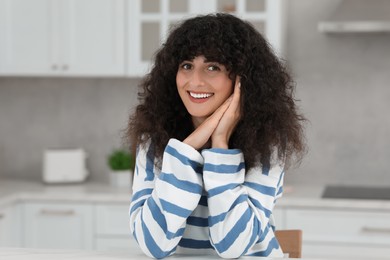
x=64 y=166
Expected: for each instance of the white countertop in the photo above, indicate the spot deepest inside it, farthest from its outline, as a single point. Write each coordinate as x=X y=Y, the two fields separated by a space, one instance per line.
x=12 y=191
x=18 y=190
x=42 y=254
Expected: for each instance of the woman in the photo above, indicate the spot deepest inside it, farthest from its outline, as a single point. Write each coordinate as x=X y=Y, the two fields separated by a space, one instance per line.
x=216 y=125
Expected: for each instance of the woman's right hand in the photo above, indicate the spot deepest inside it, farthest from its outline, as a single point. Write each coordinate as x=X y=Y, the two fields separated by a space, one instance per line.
x=201 y=135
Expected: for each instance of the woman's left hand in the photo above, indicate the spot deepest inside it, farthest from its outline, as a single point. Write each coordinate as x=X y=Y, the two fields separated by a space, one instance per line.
x=227 y=124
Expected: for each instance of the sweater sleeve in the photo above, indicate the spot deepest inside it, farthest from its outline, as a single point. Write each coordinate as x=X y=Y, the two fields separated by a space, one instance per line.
x=163 y=199
x=240 y=203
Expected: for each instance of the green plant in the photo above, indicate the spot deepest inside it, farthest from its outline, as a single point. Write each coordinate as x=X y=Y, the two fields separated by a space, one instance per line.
x=120 y=160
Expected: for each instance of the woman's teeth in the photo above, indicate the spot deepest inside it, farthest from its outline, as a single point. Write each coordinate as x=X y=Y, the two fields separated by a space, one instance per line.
x=200 y=95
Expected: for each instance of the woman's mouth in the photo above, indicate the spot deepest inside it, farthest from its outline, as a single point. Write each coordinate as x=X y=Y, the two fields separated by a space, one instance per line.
x=200 y=95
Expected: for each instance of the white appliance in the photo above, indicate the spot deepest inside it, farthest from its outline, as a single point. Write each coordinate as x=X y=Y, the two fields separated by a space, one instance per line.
x=64 y=166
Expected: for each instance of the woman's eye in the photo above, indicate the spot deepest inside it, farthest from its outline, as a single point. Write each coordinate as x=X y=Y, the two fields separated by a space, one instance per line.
x=213 y=68
x=186 y=66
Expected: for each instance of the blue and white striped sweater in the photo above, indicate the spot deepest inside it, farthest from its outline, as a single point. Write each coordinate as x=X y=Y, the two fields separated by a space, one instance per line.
x=203 y=203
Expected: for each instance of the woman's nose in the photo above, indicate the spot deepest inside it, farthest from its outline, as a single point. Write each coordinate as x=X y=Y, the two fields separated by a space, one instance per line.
x=197 y=79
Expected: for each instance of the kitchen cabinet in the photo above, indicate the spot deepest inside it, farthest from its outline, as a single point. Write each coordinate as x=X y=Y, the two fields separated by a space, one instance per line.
x=108 y=37
x=112 y=231
x=150 y=20
x=279 y=218
x=341 y=233
x=148 y=24
x=10 y=226
x=58 y=225
x=62 y=38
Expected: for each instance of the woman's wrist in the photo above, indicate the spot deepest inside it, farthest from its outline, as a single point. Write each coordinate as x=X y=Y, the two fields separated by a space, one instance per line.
x=219 y=144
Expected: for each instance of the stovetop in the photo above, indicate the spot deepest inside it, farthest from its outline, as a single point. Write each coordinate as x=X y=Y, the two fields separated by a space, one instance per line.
x=356 y=192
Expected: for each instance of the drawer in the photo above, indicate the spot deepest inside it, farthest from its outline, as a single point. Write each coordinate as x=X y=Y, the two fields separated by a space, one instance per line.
x=112 y=219
x=58 y=225
x=357 y=227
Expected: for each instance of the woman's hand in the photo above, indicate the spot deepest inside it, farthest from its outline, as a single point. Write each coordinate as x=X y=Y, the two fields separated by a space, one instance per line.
x=228 y=122
x=202 y=133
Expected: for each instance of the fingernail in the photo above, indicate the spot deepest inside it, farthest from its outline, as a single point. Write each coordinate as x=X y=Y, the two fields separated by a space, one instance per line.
x=239 y=84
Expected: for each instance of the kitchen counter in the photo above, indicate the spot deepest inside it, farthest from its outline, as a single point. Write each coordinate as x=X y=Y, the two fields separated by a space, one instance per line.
x=12 y=191
x=42 y=254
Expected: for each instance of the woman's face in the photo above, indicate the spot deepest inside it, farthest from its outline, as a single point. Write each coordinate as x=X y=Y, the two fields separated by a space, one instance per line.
x=203 y=86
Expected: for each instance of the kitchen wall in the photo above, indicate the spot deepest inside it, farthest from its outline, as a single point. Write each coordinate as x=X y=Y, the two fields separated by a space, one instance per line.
x=39 y=113
x=342 y=82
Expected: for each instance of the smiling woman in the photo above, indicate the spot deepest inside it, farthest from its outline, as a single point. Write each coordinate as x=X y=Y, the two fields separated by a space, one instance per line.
x=214 y=129
x=203 y=86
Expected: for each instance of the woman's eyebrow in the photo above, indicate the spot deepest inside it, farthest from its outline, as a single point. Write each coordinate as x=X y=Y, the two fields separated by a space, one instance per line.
x=212 y=61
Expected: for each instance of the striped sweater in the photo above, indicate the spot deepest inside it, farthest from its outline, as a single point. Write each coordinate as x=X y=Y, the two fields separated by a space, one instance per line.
x=203 y=203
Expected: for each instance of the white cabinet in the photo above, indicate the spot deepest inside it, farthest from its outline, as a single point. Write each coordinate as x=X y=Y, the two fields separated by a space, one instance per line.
x=10 y=226
x=107 y=37
x=58 y=225
x=267 y=16
x=150 y=20
x=342 y=233
x=279 y=217
x=62 y=37
x=112 y=228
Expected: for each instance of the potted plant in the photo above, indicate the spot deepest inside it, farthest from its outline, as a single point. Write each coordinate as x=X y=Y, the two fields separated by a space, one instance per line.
x=121 y=163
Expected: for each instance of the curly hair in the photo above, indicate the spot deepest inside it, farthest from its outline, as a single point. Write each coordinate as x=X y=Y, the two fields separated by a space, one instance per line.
x=269 y=119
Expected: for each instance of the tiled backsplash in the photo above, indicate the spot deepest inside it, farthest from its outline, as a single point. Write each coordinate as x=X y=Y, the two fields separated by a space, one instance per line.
x=39 y=113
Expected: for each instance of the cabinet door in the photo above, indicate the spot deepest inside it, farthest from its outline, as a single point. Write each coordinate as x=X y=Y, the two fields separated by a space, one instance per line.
x=27 y=37
x=112 y=219
x=58 y=225
x=10 y=226
x=149 y=22
x=64 y=37
x=265 y=15
x=92 y=37
x=112 y=229
x=279 y=218
x=342 y=233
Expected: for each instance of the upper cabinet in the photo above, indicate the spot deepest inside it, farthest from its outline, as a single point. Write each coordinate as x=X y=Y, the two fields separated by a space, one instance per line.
x=108 y=37
x=62 y=37
x=150 y=21
x=265 y=15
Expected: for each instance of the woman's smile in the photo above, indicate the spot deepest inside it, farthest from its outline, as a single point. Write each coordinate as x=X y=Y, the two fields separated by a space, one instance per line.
x=199 y=97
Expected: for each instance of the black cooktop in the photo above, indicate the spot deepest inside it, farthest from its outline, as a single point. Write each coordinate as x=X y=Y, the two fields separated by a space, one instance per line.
x=356 y=192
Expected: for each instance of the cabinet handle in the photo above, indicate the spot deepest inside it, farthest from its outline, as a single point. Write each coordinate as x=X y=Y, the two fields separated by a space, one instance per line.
x=53 y=212
x=65 y=67
x=375 y=230
x=1 y=216
x=54 y=67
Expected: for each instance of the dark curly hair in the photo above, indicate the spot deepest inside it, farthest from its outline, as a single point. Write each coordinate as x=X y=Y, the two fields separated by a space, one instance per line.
x=269 y=117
